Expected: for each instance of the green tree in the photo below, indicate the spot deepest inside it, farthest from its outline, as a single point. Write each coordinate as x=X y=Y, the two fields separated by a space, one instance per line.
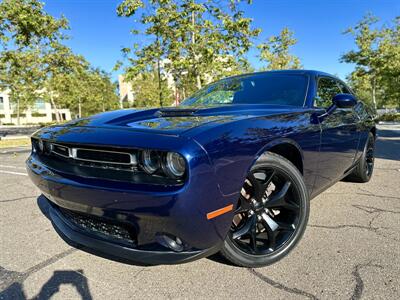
x=25 y=31
x=34 y=63
x=377 y=61
x=390 y=69
x=194 y=41
x=276 y=51
x=21 y=76
x=85 y=91
x=146 y=90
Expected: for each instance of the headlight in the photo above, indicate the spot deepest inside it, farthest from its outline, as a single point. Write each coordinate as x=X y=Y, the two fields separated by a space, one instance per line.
x=40 y=145
x=150 y=161
x=175 y=165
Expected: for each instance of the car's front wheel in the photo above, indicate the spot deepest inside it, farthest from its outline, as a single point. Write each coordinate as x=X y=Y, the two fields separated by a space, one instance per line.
x=271 y=215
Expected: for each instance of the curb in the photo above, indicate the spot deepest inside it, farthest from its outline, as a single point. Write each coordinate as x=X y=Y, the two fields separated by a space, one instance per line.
x=388 y=123
x=13 y=137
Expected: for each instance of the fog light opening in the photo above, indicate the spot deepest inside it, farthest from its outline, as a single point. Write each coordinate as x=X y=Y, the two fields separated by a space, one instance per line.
x=169 y=241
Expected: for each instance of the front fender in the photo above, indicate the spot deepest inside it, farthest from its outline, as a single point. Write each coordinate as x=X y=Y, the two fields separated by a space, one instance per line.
x=233 y=148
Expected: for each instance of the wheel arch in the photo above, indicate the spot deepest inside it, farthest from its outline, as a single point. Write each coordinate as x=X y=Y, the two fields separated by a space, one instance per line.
x=286 y=148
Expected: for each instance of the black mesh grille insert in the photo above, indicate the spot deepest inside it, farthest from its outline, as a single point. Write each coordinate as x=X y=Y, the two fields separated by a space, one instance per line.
x=61 y=150
x=100 y=226
x=103 y=156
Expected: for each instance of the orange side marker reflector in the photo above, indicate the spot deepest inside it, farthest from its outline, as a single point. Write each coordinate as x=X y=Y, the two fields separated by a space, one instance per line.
x=219 y=212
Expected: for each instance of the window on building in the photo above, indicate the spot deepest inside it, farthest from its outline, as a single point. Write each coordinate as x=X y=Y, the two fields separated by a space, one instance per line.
x=40 y=104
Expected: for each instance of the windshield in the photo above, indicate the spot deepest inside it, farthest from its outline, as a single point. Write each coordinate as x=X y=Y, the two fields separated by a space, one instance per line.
x=263 y=88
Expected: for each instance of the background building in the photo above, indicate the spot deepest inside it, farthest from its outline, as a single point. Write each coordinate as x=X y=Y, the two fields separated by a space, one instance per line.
x=40 y=112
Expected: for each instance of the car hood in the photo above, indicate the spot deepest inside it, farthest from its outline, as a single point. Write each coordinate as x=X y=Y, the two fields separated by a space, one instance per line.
x=177 y=120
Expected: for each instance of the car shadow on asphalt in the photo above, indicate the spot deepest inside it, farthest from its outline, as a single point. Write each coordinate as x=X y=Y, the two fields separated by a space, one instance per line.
x=74 y=278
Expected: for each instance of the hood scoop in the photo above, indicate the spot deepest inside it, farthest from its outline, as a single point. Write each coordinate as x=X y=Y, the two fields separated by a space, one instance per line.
x=176 y=112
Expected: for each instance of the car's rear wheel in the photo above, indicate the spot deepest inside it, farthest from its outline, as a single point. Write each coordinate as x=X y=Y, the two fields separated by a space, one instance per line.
x=271 y=215
x=365 y=166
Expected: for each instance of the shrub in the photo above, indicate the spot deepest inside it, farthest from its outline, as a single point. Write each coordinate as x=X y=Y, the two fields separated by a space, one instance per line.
x=394 y=117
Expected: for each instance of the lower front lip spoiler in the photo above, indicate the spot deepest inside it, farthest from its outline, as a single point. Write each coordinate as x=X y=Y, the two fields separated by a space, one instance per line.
x=78 y=236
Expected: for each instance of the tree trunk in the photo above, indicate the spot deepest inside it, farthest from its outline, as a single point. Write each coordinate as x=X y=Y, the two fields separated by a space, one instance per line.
x=53 y=104
x=79 y=109
x=374 y=92
x=18 y=115
x=198 y=79
x=160 y=95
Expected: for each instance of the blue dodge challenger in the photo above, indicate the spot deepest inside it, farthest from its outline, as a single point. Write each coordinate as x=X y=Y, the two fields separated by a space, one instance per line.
x=230 y=170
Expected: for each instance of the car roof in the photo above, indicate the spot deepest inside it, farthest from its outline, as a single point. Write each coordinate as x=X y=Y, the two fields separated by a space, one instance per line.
x=296 y=71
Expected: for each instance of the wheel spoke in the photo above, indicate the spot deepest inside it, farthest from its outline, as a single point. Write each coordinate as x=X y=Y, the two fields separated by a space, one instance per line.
x=274 y=227
x=268 y=181
x=243 y=207
x=259 y=186
x=271 y=242
x=253 y=236
x=279 y=199
x=245 y=229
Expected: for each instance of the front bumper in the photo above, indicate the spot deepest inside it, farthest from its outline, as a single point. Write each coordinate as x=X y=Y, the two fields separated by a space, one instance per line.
x=179 y=213
x=77 y=235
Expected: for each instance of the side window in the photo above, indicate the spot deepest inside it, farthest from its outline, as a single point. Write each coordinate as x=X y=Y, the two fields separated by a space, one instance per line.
x=327 y=88
x=344 y=88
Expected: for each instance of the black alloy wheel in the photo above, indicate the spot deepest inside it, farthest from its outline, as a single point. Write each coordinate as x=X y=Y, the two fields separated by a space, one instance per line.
x=271 y=214
x=365 y=165
x=370 y=157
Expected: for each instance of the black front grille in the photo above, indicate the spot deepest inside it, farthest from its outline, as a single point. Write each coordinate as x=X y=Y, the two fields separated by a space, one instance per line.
x=60 y=150
x=103 y=156
x=96 y=225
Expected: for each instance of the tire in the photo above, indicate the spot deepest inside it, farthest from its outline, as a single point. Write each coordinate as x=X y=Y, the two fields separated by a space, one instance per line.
x=287 y=205
x=365 y=166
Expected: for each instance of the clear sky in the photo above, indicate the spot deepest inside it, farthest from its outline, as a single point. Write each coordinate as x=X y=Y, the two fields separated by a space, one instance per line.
x=99 y=34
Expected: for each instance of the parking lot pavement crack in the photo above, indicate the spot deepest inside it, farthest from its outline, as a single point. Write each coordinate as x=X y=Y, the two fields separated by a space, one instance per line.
x=370 y=227
x=8 y=278
x=50 y=261
x=17 y=199
x=281 y=286
x=344 y=226
x=372 y=209
x=378 y=196
x=359 y=287
x=365 y=192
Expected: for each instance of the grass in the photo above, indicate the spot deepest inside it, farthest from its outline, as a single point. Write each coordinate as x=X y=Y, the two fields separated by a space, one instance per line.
x=15 y=143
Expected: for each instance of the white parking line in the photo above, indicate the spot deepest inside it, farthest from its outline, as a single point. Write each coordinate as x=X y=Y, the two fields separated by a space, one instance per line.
x=12 y=167
x=13 y=173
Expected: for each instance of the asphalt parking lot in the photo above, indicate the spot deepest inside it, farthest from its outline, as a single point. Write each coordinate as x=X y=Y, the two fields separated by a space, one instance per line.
x=351 y=249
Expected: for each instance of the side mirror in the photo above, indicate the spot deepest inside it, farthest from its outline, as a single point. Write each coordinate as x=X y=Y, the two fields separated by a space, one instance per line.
x=344 y=100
